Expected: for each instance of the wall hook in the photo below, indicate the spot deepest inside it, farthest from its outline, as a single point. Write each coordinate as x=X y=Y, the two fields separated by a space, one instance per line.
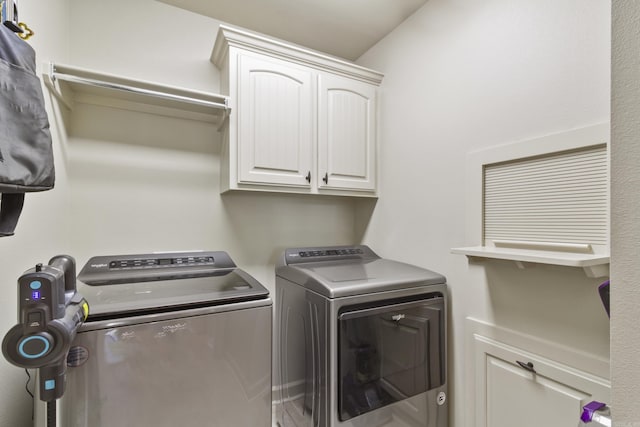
x=9 y=13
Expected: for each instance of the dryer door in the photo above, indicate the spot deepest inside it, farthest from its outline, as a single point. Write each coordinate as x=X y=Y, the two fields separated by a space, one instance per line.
x=389 y=352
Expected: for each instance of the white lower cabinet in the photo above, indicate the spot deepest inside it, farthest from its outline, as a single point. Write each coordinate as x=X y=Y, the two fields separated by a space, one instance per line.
x=300 y=121
x=515 y=387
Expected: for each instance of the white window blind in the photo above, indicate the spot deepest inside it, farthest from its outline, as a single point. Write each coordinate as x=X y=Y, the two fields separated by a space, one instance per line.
x=555 y=198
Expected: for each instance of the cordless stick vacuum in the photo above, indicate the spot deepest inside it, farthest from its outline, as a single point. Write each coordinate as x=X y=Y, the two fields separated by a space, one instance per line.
x=50 y=311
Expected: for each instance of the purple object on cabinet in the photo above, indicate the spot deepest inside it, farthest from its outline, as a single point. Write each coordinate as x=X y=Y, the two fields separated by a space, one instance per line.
x=603 y=290
x=589 y=409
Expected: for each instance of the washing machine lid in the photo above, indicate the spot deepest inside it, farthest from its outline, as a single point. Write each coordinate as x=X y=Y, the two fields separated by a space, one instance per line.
x=341 y=271
x=129 y=285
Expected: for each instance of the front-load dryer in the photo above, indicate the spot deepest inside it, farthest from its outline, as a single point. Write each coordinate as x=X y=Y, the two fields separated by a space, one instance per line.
x=361 y=340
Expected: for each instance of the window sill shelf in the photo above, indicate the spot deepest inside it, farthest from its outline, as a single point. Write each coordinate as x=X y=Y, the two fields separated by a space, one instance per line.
x=594 y=265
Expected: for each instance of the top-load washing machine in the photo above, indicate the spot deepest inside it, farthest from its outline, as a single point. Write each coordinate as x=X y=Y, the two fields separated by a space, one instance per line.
x=172 y=339
x=362 y=341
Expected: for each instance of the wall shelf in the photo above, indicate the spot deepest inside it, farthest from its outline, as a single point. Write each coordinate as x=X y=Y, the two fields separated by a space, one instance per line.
x=71 y=85
x=594 y=265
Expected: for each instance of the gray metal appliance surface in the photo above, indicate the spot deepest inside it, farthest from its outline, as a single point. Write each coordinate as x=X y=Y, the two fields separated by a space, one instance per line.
x=172 y=339
x=362 y=340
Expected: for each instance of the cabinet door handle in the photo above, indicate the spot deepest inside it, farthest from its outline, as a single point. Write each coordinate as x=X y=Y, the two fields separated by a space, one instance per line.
x=397 y=317
x=326 y=178
x=308 y=177
x=528 y=366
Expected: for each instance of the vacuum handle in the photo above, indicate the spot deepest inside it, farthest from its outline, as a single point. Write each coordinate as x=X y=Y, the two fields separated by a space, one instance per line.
x=67 y=264
x=52 y=381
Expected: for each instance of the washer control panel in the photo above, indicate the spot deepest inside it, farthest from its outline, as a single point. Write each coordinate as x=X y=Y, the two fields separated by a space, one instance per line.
x=160 y=262
x=109 y=270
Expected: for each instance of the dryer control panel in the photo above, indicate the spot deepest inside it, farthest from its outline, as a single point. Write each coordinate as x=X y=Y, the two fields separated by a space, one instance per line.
x=328 y=253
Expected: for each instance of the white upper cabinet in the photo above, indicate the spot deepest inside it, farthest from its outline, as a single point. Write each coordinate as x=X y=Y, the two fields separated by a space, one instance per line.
x=346 y=134
x=300 y=121
x=274 y=123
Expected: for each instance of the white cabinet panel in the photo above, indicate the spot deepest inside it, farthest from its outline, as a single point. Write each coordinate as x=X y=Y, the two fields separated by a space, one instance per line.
x=544 y=394
x=274 y=115
x=346 y=133
x=511 y=391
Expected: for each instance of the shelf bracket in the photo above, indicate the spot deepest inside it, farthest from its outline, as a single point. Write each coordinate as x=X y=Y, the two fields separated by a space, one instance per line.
x=226 y=113
x=523 y=264
x=49 y=79
x=596 y=271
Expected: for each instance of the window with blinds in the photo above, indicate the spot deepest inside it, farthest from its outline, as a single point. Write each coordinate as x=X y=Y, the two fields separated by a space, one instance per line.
x=559 y=198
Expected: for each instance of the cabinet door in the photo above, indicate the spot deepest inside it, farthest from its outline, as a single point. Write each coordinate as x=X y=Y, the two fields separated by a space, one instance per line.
x=275 y=133
x=346 y=134
x=510 y=395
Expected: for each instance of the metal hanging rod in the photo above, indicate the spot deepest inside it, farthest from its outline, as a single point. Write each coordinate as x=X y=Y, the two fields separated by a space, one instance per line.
x=137 y=90
x=65 y=74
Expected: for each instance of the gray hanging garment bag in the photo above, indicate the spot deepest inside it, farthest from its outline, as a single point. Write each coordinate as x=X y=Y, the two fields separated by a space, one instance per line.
x=26 y=156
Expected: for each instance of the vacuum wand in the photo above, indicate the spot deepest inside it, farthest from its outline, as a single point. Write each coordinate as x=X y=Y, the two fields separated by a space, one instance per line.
x=50 y=311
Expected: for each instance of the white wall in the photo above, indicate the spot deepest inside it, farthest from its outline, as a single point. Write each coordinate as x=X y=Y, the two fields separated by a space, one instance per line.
x=625 y=205
x=462 y=75
x=131 y=182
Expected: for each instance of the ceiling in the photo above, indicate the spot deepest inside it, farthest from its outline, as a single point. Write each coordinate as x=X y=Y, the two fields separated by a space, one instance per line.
x=344 y=28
